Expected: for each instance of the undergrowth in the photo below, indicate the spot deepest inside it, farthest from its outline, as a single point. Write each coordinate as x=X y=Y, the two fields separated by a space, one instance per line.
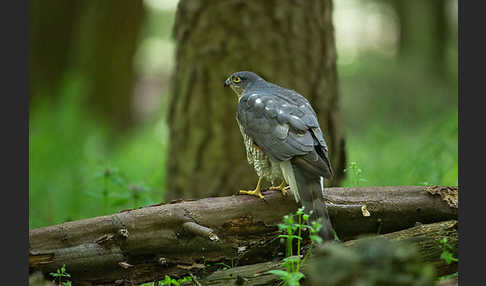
x=61 y=276
x=293 y=227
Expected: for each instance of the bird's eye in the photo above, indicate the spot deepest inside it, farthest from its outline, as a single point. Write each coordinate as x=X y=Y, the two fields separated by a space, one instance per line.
x=236 y=79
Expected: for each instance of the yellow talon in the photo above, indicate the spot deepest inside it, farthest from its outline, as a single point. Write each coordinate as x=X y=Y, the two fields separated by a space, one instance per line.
x=256 y=192
x=281 y=188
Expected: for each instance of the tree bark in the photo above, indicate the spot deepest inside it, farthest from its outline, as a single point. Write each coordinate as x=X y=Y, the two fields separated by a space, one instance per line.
x=425 y=237
x=176 y=237
x=449 y=282
x=290 y=43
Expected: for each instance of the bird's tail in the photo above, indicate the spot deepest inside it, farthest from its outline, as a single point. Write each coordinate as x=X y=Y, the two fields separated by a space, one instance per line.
x=310 y=192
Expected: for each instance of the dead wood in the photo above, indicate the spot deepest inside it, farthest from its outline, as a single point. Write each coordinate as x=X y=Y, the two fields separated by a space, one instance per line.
x=180 y=237
x=426 y=238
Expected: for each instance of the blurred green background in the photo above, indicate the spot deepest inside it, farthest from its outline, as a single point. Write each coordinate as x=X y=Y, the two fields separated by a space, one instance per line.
x=398 y=82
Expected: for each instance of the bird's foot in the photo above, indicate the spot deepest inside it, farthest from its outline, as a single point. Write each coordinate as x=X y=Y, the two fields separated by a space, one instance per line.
x=282 y=188
x=256 y=193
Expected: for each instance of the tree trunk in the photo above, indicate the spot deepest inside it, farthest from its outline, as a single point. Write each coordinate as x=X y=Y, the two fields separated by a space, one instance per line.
x=50 y=40
x=176 y=237
x=92 y=41
x=290 y=43
x=105 y=44
x=423 y=33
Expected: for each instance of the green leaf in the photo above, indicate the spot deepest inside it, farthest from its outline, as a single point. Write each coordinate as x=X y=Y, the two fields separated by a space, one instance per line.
x=280 y=273
x=300 y=211
x=336 y=237
x=185 y=279
x=316 y=238
x=292 y=278
x=167 y=280
x=292 y=259
x=448 y=257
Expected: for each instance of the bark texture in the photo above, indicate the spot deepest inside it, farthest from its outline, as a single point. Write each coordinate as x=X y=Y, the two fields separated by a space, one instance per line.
x=290 y=43
x=175 y=238
x=425 y=237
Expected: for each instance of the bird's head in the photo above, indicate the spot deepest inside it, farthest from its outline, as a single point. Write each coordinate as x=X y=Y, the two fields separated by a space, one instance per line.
x=241 y=81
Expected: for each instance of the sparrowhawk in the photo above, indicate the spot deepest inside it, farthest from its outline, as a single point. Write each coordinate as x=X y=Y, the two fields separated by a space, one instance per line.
x=283 y=141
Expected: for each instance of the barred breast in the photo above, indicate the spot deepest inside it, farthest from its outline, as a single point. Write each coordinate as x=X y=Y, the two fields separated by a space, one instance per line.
x=263 y=166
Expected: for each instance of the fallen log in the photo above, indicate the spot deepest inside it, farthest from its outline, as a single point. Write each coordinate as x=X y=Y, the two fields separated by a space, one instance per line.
x=448 y=282
x=178 y=237
x=426 y=239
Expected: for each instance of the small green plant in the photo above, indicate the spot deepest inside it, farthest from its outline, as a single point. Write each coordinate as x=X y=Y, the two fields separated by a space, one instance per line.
x=117 y=192
x=446 y=255
x=61 y=274
x=169 y=281
x=176 y=282
x=293 y=230
x=356 y=173
x=110 y=178
x=336 y=237
x=136 y=192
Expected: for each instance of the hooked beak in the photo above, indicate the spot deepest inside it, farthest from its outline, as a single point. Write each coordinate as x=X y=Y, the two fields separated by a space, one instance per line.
x=227 y=82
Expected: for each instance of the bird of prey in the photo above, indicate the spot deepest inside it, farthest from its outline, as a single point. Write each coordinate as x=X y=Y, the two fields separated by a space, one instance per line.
x=283 y=141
